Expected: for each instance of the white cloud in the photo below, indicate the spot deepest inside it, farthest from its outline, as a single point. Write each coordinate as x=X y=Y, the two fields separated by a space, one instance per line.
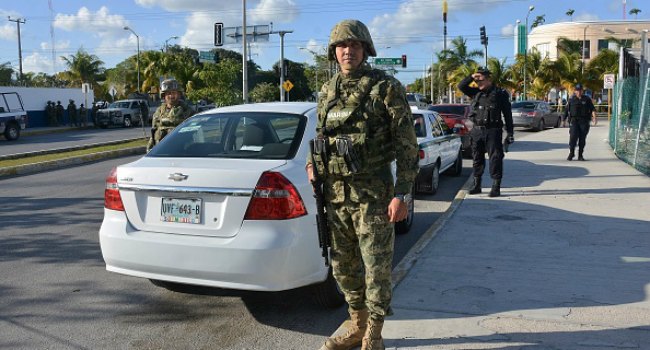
x=585 y=17
x=8 y=32
x=38 y=62
x=508 y=30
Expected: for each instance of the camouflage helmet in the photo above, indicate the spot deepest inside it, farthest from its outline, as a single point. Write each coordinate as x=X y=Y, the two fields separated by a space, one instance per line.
x=350 y=29
x=169 y=85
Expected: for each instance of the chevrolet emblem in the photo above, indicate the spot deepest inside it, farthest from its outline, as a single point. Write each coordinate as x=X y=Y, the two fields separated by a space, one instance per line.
x=177 y=177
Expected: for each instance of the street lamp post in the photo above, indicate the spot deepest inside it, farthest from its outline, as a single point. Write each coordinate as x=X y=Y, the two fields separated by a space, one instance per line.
x=167 y=41
x=530 y=9
x=137 y=38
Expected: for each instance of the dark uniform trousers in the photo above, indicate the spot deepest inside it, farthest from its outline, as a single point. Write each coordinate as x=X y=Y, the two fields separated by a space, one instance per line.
x=578 y=134
x=490 y=140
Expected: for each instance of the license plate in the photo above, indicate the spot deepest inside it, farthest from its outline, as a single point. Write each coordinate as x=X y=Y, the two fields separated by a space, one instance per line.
x=185 y=210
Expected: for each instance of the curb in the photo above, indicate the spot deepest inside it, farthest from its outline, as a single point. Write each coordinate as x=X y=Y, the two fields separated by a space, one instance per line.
x=67 y=149
x=67 y=162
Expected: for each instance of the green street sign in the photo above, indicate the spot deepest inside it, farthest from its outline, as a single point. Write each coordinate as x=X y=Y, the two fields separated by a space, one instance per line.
x=383 y=61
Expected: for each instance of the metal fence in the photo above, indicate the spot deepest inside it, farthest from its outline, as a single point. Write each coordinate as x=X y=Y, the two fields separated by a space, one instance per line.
x=628 y=129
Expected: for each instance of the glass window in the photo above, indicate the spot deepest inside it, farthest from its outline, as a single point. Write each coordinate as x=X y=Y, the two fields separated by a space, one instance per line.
x=418 y=123
x=603 y=44
x=585 y=49
x=235 y=135
x=436 y=130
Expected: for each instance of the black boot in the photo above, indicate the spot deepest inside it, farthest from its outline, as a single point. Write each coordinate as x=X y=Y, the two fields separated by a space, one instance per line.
x=580 y=157
x=477 y=186
x=571 y=155
x=496 y=188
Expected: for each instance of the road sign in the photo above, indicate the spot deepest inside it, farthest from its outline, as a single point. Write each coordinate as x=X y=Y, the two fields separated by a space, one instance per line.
x=206 y=56
x=608 y=81
x=287 y=85
x=383 y=61
x=112 y=91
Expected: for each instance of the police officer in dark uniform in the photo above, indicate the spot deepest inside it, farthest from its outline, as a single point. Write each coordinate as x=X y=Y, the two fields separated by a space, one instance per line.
x=490 y=109
x=579 y=109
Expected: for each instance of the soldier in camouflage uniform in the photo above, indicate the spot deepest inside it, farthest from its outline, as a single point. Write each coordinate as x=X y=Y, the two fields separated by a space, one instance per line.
x=171 y=113
x=364 y=111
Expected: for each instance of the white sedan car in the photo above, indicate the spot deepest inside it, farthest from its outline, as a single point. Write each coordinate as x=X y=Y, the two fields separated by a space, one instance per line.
x=222 y=201
x=440 y=150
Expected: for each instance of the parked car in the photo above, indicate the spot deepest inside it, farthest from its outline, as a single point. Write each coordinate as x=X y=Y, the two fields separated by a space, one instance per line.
x=124 y=113
x=456 y=117
x=534 y=114
x=13 y=117
x=440 y=150
x=417 y=100
x=222 y=201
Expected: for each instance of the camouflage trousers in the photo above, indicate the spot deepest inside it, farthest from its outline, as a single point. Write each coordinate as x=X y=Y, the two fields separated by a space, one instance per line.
x=362 y=244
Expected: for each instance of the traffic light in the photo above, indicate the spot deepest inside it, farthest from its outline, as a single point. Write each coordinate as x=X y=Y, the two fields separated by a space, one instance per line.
x=218 y=34
x=403 y=61
x=483 y=36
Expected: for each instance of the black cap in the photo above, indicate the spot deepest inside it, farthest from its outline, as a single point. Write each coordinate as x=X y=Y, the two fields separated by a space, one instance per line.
x=578 y=86
x=483 y=70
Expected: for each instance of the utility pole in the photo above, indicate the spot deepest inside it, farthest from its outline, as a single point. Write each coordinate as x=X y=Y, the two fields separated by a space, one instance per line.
x=244 y=63
x=282 y=70
x=20 y=50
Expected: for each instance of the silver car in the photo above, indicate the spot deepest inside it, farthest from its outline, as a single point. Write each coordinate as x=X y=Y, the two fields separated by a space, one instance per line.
x=534 y=114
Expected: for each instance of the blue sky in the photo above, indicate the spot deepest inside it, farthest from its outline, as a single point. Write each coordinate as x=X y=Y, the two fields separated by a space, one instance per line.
x=411 y=27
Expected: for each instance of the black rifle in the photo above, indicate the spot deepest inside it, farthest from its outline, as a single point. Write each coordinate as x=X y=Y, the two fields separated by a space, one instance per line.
x=324 y=235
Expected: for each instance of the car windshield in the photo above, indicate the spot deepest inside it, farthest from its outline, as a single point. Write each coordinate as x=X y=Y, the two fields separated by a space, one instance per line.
x=524 y=105
x=459 y=110
x=118 y=104
x=235 y=135
x=410 y=98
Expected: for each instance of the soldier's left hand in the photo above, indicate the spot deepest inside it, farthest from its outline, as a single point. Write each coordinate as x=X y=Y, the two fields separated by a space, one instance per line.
x=397 y=210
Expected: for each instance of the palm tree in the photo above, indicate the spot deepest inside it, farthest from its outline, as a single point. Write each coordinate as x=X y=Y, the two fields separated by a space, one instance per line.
x=459 y=54
x=569 y=46
x=5 y=73
x=570 y=13
x=82 y=68
x=539 y=20
x=635 y=12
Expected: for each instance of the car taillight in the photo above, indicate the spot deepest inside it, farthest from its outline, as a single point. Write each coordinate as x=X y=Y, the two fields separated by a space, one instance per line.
x=421 y=154
x=275 y=198
x=112 y=198
x=530 y=114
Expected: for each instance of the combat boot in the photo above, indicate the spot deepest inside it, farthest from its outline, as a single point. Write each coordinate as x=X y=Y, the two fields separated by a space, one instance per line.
x=372 y=340
x=496 y=188
x=580 y=157
x=571 y=155
x=354 y=335
x=477 y=186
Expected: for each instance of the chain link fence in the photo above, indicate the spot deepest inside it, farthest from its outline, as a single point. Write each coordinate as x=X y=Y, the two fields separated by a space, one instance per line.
x=628 y=129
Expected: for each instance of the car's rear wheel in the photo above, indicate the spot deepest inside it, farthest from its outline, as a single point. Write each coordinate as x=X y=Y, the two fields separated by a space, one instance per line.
x=404 y=226
x=327 y=293
x=457 y=168
x=12 y=132
x=541 y=126
x=127 y=122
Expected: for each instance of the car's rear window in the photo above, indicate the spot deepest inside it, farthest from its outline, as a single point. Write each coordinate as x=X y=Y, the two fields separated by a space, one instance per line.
x=459 y=110
x=524 y=105
x=235 y=135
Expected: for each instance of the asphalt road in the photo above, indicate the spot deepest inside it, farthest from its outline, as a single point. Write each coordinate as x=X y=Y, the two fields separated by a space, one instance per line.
x=56 y=293
x=58 y=140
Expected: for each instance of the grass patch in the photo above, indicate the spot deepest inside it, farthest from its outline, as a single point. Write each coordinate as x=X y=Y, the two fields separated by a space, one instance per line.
x=63 y=155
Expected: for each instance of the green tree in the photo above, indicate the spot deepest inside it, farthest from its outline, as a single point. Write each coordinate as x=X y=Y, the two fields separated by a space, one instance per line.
x=570 y=13
x=265 y=92
x=82 y=68
x=5 y=73
x=539 y=20
x=569 y=46
x=635 y=12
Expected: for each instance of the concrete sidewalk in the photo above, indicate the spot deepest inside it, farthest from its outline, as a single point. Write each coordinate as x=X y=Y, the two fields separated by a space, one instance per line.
x=560 y=261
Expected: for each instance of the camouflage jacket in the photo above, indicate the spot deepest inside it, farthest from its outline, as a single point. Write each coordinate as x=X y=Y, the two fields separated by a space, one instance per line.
x=166 y=119
x=371 y=108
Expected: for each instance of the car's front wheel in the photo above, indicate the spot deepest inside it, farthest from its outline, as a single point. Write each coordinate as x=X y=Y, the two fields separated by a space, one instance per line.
x=12 y=132
x=327 y=293
x=457 y=168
